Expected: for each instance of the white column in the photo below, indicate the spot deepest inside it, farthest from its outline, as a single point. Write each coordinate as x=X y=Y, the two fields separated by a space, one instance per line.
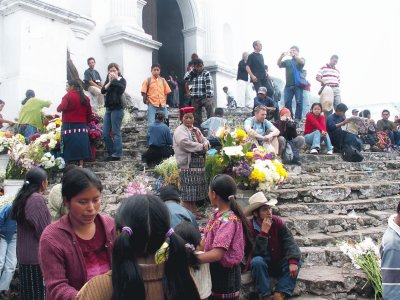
x=124 y=14
x=211 y=29
x=140 y=5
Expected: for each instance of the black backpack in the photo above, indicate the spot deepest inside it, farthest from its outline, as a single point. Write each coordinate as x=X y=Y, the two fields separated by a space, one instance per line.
x=290 y=154
x=351 y=154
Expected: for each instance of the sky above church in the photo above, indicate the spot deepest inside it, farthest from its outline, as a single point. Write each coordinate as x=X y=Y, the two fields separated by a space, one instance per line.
x=364 y=34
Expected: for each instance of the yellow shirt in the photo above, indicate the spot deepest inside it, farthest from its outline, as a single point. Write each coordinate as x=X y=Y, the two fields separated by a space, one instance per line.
x=157 y=92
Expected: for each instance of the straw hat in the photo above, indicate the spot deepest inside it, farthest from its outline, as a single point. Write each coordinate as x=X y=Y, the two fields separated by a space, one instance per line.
x=258 y=200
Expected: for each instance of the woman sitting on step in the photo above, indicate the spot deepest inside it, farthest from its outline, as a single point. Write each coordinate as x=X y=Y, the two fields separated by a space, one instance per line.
x=315 y=130
x=79 y=245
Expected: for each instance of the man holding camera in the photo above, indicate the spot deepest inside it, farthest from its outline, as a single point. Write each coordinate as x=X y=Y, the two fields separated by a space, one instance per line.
x=201 y=91
x=290 y=88
x=288 y=131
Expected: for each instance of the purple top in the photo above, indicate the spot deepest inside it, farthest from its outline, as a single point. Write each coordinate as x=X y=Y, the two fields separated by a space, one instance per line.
x=224 y=230
x=37 y=217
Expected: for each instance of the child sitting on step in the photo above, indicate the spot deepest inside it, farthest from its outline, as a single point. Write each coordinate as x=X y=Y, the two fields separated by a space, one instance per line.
x=227 y=239
x=200 y=273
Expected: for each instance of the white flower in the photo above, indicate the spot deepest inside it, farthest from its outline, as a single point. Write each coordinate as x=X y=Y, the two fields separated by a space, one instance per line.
x=51 y=126
x=233 y=151
x=52 y=144
x=60 y=163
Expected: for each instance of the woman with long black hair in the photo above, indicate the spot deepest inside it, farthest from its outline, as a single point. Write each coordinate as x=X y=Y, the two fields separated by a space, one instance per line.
x=143 y=225
x=227 y=239
x=32 y=215
x=76 y=113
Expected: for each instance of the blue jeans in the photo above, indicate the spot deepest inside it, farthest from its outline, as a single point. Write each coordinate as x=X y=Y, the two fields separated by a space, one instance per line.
x=260 y=271
x=288 y=94
x=27 y=130
x=395 y=138
x=8 y=261
x=112 y=131
x=151 y=113
x=314 y=139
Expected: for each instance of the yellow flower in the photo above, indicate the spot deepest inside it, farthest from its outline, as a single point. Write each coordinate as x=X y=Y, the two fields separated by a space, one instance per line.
x=250 y=155
x=257 y=176
x=58 y=135
x=280 y=169
x=20 y=137
x=2 y=133
x=240 y=135
x=58 y=122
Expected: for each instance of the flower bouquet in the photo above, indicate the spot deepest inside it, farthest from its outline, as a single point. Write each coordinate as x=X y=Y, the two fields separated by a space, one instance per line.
x=365 y=255
x=168 y=172
x=95 y=127
x=252 y=166
x=38 y=153
x=138 y=186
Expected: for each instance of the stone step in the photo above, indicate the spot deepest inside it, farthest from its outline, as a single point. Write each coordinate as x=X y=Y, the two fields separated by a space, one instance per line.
x=342 y=166
x=320 y=283
x=331 y=223
x=332 y=239
x=334 y=193
x=318 y=179
x=323 y=256
x=335 y=282
x=377 y=156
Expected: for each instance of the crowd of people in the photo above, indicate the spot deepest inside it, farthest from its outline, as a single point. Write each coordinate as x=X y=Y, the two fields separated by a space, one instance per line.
x=152 y=249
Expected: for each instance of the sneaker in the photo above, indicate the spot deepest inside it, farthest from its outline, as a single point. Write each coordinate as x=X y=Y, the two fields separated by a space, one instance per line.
x=314 y=151
x=330 y=152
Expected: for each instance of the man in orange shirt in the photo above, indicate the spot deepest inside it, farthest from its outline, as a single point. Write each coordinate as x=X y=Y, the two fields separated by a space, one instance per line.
x=155 y=94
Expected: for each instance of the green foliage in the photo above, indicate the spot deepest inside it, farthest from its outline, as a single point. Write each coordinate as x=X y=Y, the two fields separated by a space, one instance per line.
x=14 y=172
x=214 y=165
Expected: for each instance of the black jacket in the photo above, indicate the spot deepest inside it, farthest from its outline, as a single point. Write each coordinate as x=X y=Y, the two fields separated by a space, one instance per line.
x=114 y=93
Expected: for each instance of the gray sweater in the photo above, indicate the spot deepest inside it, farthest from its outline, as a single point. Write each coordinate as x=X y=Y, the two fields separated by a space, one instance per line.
x=390 y=254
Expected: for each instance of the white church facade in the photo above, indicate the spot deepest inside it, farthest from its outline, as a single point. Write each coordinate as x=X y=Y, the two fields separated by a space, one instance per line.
x=36 y=34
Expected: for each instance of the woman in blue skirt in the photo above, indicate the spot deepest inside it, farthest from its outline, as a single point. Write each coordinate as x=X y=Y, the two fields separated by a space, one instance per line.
x=76 y=113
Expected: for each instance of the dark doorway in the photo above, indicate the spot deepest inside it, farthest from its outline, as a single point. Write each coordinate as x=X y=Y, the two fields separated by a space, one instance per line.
x=162 y=19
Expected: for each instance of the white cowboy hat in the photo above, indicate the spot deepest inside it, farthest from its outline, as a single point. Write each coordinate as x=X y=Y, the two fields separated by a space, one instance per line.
x=258 y=200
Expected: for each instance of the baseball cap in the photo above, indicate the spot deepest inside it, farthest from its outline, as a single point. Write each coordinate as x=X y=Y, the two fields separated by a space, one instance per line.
x=355 y=110
x=262 y=90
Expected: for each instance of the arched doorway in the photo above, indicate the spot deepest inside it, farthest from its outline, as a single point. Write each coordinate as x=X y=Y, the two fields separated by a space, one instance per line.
x=163 y=20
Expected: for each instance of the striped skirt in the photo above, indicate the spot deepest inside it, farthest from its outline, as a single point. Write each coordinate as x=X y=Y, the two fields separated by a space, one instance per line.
x=193 y=181
x=31 y=283
x=225 y=281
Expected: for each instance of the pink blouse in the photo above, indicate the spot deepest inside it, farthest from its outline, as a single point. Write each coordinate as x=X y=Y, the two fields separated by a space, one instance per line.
x=224 y=230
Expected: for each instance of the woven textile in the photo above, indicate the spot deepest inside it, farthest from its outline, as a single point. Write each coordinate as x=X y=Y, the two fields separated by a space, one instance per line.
x=31 y=283
x=193 y=180
x=225 y=281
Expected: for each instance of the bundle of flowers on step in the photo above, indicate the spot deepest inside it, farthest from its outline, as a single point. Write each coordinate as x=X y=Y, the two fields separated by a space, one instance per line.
x=139 y=186
x=7 y=138
x=365 y=255
x=95 y=127
x=168 y=172
x=252 y=166
x=38 y=153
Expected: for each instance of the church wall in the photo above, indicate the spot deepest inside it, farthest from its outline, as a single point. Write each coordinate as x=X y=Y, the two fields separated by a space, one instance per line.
x=35 y=57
